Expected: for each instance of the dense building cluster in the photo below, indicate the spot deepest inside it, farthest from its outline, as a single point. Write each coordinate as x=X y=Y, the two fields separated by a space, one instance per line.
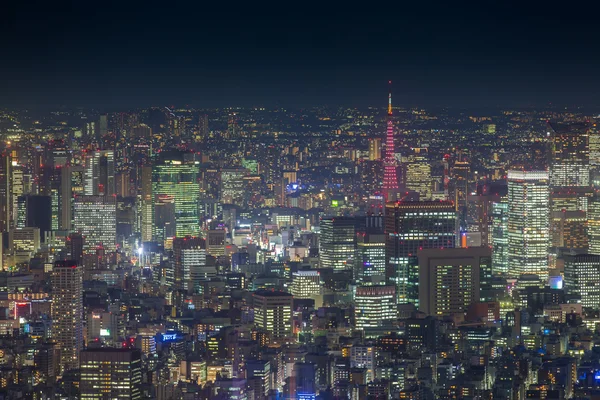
x=253 y=254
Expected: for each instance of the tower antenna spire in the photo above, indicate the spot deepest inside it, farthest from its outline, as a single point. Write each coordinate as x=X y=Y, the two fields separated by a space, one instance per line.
x=390 y=98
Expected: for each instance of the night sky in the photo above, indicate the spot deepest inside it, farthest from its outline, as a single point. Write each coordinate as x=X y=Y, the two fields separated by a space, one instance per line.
x=110 y=55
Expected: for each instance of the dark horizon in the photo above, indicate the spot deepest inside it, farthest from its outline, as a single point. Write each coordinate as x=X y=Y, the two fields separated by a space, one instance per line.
x=142 y=54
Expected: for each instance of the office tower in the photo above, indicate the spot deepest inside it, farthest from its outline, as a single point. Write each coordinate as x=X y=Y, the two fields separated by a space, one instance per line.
x=479 y=210
x=258 y=376
x=411 y=226
x=390 y=177
x=6 y=221
x=75 y=244
x=146 y=204
x=103 y=126
x=594 y=225
x=582 y=279
x=17 y=190
x=375 y=309
x=306 y=284
x=273 y=312
x=459 y=189
x=177 y=177
x=233 y=187
x=418 y=173
x=215 y=242
x=568 y=217
x=337 y=242
x=202 y=128
x=24 y=240
x=122 y=180
x=67 y=312
x=569 y=155
x=528 y=223
x=374 y=149
x=500 y=236
x=72 y=183
x=99 y=173
x=370 y=249
x=303 y=381
x=141 y=131
x=35 y=211
x=189 y=257
x=96 y=220
x=109 y=373
x=449 y=279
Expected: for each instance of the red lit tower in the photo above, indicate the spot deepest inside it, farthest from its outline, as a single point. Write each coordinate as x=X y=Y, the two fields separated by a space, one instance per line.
x=390 y=179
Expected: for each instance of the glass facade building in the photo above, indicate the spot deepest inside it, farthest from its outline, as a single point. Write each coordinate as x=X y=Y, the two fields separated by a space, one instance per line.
x=528 y=223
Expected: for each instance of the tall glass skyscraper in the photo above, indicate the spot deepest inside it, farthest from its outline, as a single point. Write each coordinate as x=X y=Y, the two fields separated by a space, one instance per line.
x=528 y=223
x=337 y=242
x=177 y=177
x=500 y=237
x=411 y=226
x=569 y=155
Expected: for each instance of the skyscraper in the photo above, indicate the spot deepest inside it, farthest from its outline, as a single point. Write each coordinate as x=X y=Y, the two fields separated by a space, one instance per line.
x=500 y=236
x=569 y=155
x=233 y=186
x=67 y=312
x=449 y=279
x=35 y=211
x=528 y=223
x=375 y=309
x=108 y=373
x=594 y=225
x=146 y=204
x=177 y=176
x=409 y=227
x=189 y=257
x=273 y=312
x=96 y=220
x=418 y=173
x=582 y=278
x=390 y=178
x=337 y=242
x=370 y=249
x=99 y=173
x=374 y=149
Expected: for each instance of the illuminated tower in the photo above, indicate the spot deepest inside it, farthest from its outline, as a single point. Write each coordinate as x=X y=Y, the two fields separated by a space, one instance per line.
x=67 y=312
x=528 y=223
x=390 y=180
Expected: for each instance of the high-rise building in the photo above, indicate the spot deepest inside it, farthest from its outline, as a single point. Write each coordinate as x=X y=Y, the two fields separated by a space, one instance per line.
x=6 y=220
x=337 y=242
x=35 y=211
x=528 y=223
x=375 y=309
x=96 y=220
x=202 y=128
x=103 y=126
x=146 y=204
x=109 y=373
x=233 y=186
x=273 y=312
x=370 y=249
x=582 y=279
x=390 y=166
x=568 y=217
x=305 y=284
x=500 y=236
x=569 y=155
x=99 y=173
x=594 y=225
x=177 y=177
x=409 y=227
x=189 y=258
x=374 y=149
x=67 y=312
x=449 y=279
x=418 y=173
x=24 y=240
x=72 y=183
x=258 y=376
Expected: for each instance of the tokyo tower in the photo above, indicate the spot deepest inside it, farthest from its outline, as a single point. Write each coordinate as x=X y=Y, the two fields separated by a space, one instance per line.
x=390 y=180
